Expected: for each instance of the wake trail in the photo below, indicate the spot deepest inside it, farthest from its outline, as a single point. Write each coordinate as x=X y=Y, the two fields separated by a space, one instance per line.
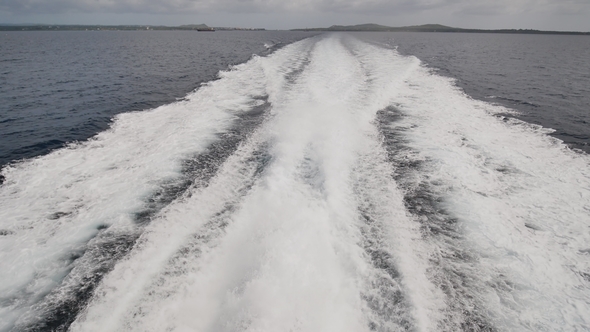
x=86 y=205
x=285 y=252
x=503 y=205
x=333 y=185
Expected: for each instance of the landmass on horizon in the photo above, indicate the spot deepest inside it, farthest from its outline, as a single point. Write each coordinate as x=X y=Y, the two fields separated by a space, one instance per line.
x=434 y=28
x=204 y=27
x=97 y=27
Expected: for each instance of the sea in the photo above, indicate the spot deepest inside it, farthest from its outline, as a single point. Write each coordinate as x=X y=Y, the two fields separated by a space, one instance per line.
x=294 y=181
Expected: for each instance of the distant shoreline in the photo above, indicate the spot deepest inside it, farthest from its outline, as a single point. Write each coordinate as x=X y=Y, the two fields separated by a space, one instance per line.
x=437 y=28
x=203 y=27
x=76 y=27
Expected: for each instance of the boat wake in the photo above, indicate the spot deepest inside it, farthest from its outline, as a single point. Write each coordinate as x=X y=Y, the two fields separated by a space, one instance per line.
x=334 y=185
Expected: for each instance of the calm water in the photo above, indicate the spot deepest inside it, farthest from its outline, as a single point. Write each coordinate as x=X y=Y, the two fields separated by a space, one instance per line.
x=546 y=78
x=341 y=182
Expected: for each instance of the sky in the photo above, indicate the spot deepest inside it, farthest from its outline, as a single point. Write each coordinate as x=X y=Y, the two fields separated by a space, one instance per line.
x=563 y=15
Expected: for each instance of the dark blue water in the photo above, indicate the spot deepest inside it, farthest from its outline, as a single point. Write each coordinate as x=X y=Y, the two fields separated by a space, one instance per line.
x=546 y=78
x=58 y=87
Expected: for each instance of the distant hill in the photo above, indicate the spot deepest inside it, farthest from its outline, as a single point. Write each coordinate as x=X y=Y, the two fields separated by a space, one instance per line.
x=70 y=27
x=377 y=27
x=431 y=28
x=359 y=27
x=195 y=26
x=434 y=28
x=198 y=27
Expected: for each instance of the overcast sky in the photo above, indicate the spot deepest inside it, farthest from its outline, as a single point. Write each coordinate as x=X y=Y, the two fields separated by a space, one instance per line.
x=287 y=14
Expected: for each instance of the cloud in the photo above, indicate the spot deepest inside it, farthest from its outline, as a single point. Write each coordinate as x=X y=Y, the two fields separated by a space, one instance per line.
x=296 y=13
x=516 y=7
x=247 y=6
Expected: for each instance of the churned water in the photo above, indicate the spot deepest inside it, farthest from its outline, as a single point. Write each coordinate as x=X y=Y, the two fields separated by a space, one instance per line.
x=59 y=87
x=333 y=183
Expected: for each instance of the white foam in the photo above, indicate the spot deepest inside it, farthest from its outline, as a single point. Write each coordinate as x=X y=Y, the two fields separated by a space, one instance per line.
x=277 y=240
x=52 y=205
x=520 y=196
x=289 y=257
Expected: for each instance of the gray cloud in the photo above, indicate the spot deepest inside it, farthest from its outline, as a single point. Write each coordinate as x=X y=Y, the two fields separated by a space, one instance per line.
x=279 y=12
x=176 y=6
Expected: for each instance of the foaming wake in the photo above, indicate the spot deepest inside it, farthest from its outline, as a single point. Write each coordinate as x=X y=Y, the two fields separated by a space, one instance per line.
x=66 y=218
x=505 y=205
x=333 y=185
